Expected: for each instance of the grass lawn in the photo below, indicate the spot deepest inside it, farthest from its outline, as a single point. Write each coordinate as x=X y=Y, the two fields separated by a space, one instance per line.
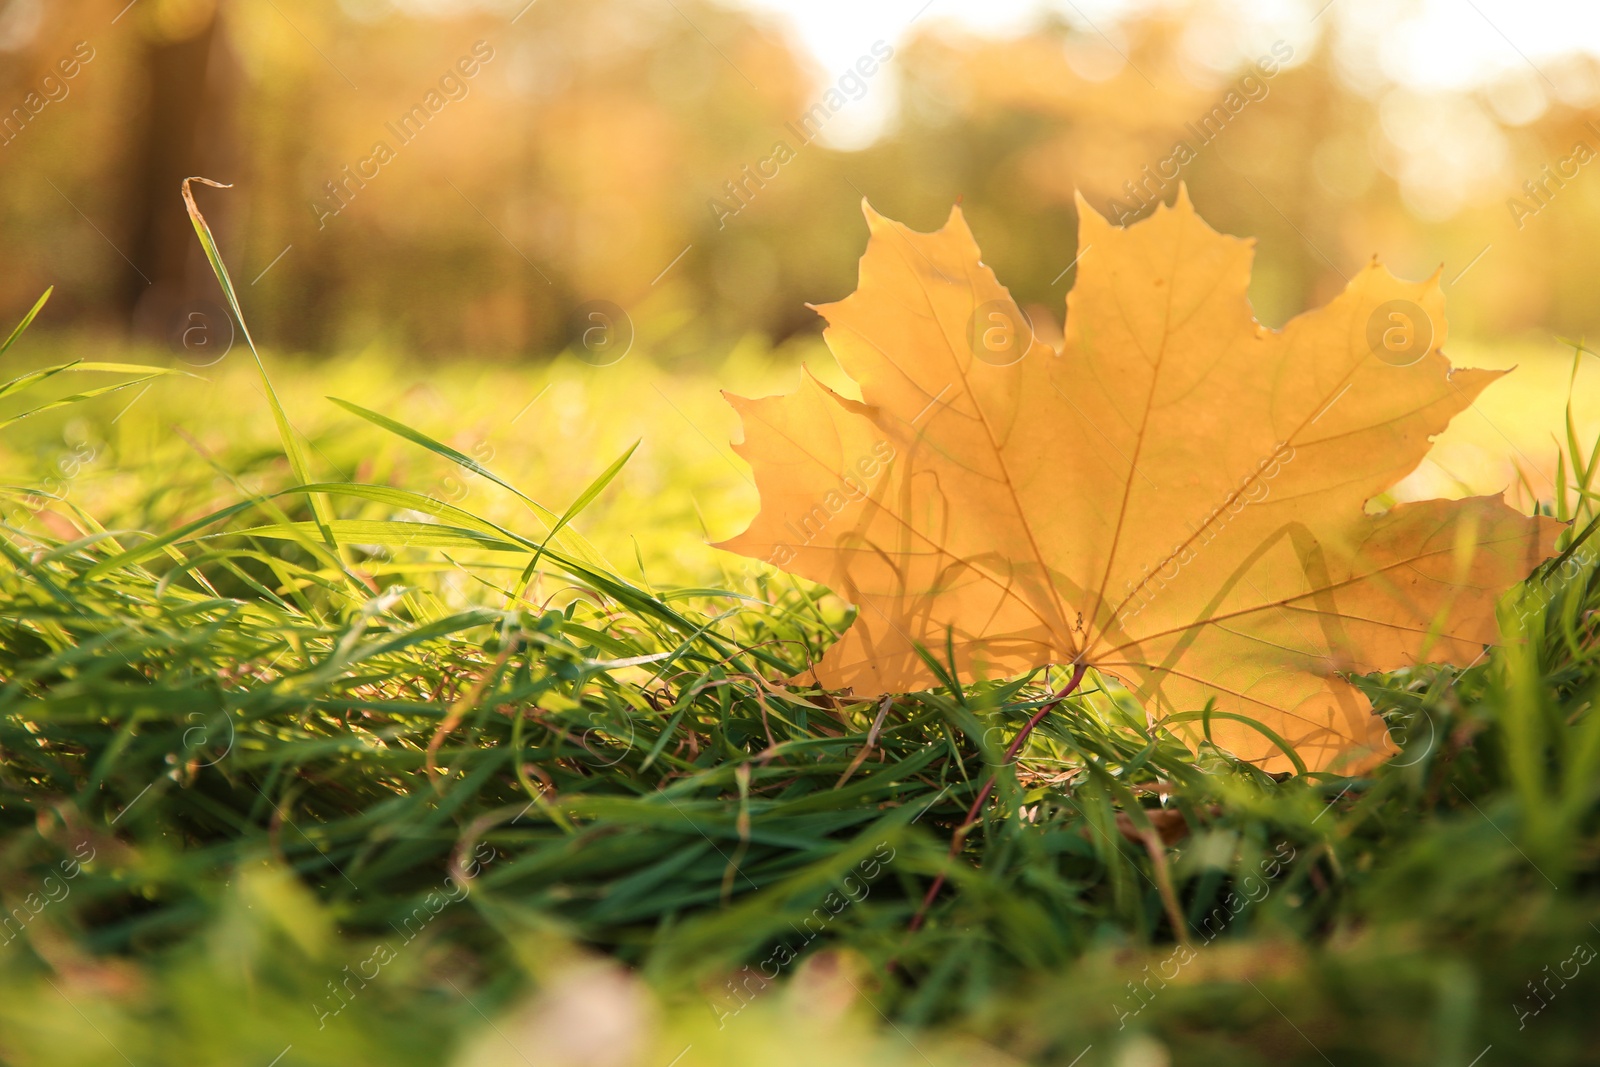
x=416 y=769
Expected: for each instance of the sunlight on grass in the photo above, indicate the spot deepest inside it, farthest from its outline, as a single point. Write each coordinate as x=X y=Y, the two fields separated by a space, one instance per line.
x=466 y=769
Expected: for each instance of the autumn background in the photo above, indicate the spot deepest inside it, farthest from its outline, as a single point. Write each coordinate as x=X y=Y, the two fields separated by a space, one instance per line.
x=613 y=152
x=540 y=232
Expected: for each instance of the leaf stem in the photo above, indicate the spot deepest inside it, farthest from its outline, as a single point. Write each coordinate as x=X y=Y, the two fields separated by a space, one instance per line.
x=988 y=786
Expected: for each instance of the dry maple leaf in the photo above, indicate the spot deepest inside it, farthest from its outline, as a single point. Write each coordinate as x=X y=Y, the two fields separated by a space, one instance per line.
x=1176 y=498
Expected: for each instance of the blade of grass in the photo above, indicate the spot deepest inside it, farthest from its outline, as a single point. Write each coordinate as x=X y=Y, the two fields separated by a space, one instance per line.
x=552 y=521
x=584 y=499
x=286 y=432
x=76 y=398
x=33 y=312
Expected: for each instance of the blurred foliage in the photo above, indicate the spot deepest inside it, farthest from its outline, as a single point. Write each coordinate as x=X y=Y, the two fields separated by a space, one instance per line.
x=583 y=157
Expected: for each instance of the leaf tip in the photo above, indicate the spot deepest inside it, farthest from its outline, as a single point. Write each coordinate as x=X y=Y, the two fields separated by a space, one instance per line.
x=188 y=193
x=206 y=181
x=1088 y=217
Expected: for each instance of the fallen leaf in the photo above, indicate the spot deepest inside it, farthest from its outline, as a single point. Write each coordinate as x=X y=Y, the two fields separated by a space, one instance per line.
x=1175 y=498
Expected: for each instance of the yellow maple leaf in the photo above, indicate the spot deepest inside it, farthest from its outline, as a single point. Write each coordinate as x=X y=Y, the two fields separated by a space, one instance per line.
x=1176 y=498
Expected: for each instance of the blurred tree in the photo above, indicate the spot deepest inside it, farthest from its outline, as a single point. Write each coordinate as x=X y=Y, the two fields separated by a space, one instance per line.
x=178 y=130
x=629 y=151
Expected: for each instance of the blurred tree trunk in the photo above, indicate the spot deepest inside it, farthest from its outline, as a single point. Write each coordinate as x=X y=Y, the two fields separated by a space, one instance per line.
x=178 y=133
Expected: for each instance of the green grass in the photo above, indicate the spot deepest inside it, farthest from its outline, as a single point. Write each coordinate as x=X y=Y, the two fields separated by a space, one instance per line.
x=471 y=806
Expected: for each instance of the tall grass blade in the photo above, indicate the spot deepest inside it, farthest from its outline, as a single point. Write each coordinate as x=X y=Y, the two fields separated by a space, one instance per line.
x=577 y=546
x=286 y=432
x=584 y=499
x=26 y=320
